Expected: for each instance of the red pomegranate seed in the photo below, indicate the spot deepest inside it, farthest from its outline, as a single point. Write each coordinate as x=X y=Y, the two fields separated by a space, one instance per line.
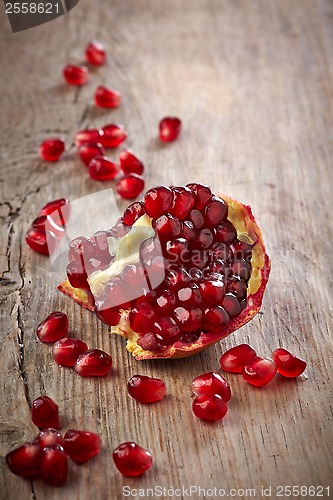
x=242 y=269
x=203 y=240
x=177 y=278
x=288 y=364
x=77 y=276
x=259 y=371
x=91 y=136
x=131 y=459
x=67 y=350
x=41 y=241
x=43 y=221
x=24 y=461
x=225 y=233
x=81 y=446
x=189 y=295
x=142 y=317
x=101 y=168
x=212 y=292
x=93 y=363
x=202 y=194
x=52 y=149
x=215 y=318
x=212 y=383
x=129 y=163
x=231 y=305
x=165 y=302
x=169 y=128
x=113 y=135
x=149 y=342
x=209 y=407
x=188 y=318
x=158 y=201
x=76 y=74
x=47 y=437
x=90 y=150
x=167 y=227
x=110 y=316
x=95 y=53
x=130 y=186
x=215 y=212
x=54 y=465
x=107 y=98
x=237 y=287
x=59 y=211
x=45 y=413
x=177 y=251
x=196 y=217
x=188 y=232
x=53 y=328
x=166 y=330
x=183 y=201
x=146 y=389
x=133 y=212
x=234 y=359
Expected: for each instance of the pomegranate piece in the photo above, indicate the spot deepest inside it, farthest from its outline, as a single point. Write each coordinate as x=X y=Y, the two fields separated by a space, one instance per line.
x=40 y=241
x=95 y=53
x=24 y=461
x=53 y=328
x=146 y=389
x=113 y=135
x=93 y=363
x=53 y=465
x=259 y=371
x=67 y=350
x=107 y=98
x=51 y=149
x=75 y=74
x=133 y=212
x=288 y=364
x=90 y=150
x=169 y=128
x=130 y=186
x=89 y=136
x=45 y=413
x=48 y=437
x=131 y=459
x=212 y=383
x=81 y=446
x=101 y=168
x=158 y=201
x=209 y=407
x=234 y=359
x=129 y=163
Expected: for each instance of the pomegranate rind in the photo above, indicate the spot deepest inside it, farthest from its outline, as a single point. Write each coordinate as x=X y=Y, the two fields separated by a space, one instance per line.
x=248 y=231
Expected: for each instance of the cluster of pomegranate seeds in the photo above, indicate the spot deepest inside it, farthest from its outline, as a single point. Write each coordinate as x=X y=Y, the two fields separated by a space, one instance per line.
x=146 y=389
x=75 y=74
x=95 y=53
x=51 y=149
x=169 y=128
x=45 y=413
x=131 y=459
x=107 y=98
x=212 y=392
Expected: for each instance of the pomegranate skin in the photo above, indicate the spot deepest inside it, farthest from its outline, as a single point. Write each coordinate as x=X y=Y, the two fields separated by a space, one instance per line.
x=259 y=371
x=81 y=446
x=45 y=413
x=131 y=459
x=24 y=460
x=209 y=407
x=212 y=383
x=288 y=364
x=234 y=359
x=146 y=389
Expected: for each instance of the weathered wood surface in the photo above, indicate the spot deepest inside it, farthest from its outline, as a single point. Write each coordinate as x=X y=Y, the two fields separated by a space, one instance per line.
x=252 y=82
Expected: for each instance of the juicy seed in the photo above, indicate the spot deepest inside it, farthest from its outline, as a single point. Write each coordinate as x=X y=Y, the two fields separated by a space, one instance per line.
x=234 y=359
x=169 y=128
x=215 y=319
x=67 y=350
x=212 y=292
x=93 y=363
x=129 y=163
x=81 y=446
x=202 y=194
x=113 y=135
x=142 y=317
x=53 y=328
x=146 y=389
x=75 y=74
x=288 y=364
x=215 y=212
x=133 y=212
x=188 y=318
x=167 y=227
x=259 y=371
x=131 y=459
x=158 y=201
x=242 y=269
x=166 y=330
x=95 y=53
x=225 y=233
x=196 y=217
x=52 y=149
x=231 y=305
x=149 y=342
x=101 y=168
x=237 y=287
x=54 y=465
x=41 y=241
x=77 y=276
x=90 y=150
x=209 y=407
x=212 y=383
x=165 y=302
x=58 y=209
x=45 y=413
x=24 y=461
x=110 y=316
x=47 y=437
x=182 y=203
x=107 y=98
x=91 y=136
x=130 y=186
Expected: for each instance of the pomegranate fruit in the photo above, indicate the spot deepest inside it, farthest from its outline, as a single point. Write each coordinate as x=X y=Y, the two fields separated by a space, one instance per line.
x=53 y=465
x=95 y=53
x=81 y=446
x=146 y=389
x=107 y=98
x=131 y=459
x=53 y=328
x=234 y=359
x=209 y=407
x=259 y=371
x=75 y=74
x=93 y=363
x=67 y=350
x=45 y=413
x=129 y=163
x=113 y=135
x=52 y=149
x=211 y=383
x=171 y=284
x=169 y=128
x=288 y=364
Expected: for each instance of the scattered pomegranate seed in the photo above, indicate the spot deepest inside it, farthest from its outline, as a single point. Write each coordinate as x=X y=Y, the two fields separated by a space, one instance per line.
x=24 y=461
x=45 y=413
x=288 y=364
x=234 y=359
x=41 y=241
x=107 y=98
x=259 y=371
x=212 y=383
x=95 y=53
x=54 y=465
x=52 y=149
x=47 y=437
x=101 y=168
x=146 y=389
x=93 y=363
x=131 y=459
x=67 y=350
x=129 y=163
x=133 y=212
x=59 y=211
x=169 y=128
x=76 y=74
x=209 y=407
x=158 y=201
x=113 y=135
x=130 y=186
x=91 y=136
x=88 y=151
x=81 y=446
x=53 y=328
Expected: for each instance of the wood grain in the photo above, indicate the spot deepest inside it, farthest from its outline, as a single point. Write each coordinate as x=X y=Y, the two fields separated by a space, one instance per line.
x=252 y=82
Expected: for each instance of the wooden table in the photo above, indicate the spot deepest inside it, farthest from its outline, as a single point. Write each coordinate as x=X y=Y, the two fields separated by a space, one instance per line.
x=252 y=82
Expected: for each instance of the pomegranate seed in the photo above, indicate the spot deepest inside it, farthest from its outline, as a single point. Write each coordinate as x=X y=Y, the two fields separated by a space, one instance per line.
x=234 y=359
x=54 y=465
x=231 y=305
x=101 y=168
x=47 y=437
x=177 y=278
x=177 y=250
x=107 y=98
x=149 y=342
x=130 y=186
x=237 y=287
x=242 y=269
x=182 y=203
x=189 y=295
x=134 y=274
x=45 y=413
x=146 y=389
x=165 y=302
x=76 y=74
x=212 y=383
x=113 y=135
x=212 y=292
x=90 y=150
x=202 y=194
x=129 y=163
x=52 y=149
x=24 y=461
x=133 y=212
x=158 y=201
x=188 y=318
x=90 y=136
x=142 y=317
x=77 y=276
x=167 y=227
x=41 y=241
x=81 y=446
x=119 y=230
x=67 y=350
x=209 y=407
x=215 y=212
x=204 y=239
x=215 y=319
x=59 y=211
x=53 y=328
x=93 y=363
x=259 y=371
x=131 y=459
x=110 y=316
x=166 y=330
x=225 y=233
x=95 y=53
x=169 y=128
x=42 y=220
x=188 y=232
x=196 y=217
x=288 y=364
